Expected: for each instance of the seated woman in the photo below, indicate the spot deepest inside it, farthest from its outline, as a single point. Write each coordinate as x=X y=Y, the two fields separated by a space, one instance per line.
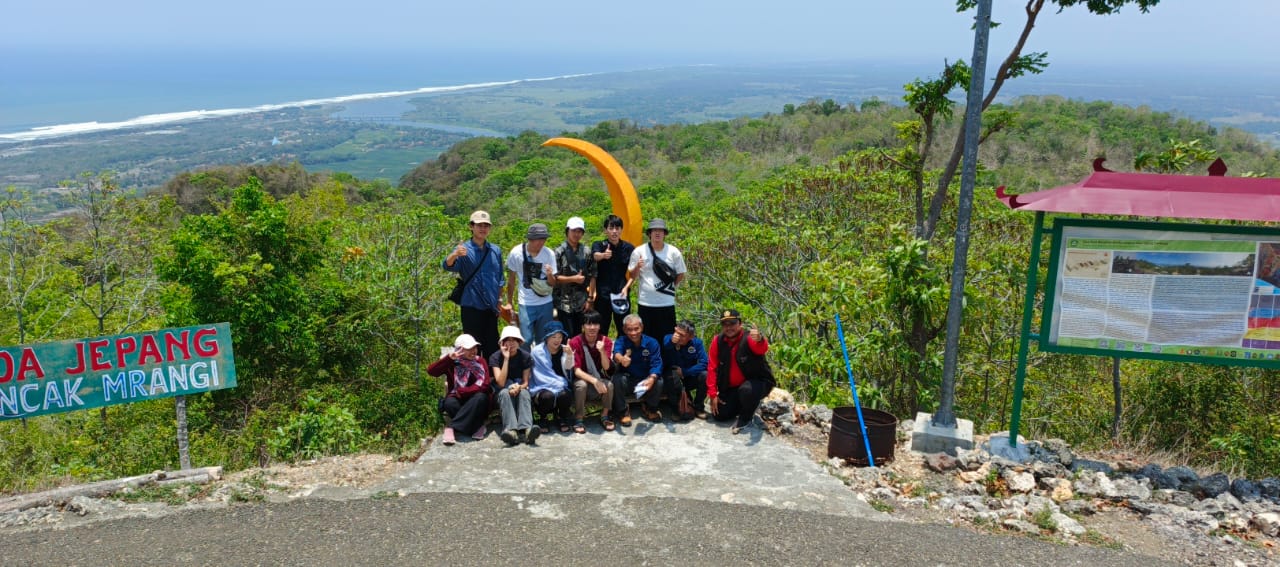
x=466 y=379
x=591 y=370
x=552 y=369
x=511 y=368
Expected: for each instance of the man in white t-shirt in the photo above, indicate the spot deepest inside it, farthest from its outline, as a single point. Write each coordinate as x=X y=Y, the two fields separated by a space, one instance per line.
x=531 y=269
x=660 y=269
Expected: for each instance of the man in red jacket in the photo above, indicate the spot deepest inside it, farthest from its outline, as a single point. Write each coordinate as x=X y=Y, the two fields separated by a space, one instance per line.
x=738 y=376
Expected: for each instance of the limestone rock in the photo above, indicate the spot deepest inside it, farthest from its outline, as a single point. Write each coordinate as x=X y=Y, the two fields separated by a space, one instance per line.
x=1068 y=525
x=939 y=462
x=1061 y=491
x=1021 y=526
x=1086 y=465
x=1020 y=482
x=1078 y=507
x=1129 y=488
x=1060 y=450
x=1095 y=484
x=1157 y=476
x=1267 y=523
x=1270 y=488
x=778 y=402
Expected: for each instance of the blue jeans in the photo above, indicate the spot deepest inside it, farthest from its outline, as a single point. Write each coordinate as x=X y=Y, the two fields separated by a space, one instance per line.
x=533 y=319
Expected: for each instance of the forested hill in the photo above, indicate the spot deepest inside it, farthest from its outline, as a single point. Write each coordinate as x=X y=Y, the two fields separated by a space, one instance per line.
x=1050 y=141
x=336 y=303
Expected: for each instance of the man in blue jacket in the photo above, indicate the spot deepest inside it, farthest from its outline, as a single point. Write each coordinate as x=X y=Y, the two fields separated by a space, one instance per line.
x=686 y=361
x=478 y=263
x=639 y=364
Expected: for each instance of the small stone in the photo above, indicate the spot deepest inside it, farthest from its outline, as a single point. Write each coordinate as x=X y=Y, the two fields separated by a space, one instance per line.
x=1048 y=470
x=1126 y=466
x=971 y=459
x=1246 y=490
x=1068 y=525
x=82 y=506
x=1213 y=485
x=971 y=489
x=1183 y=476
x=1096 y=484
x=1061 y=450
x=1235 y=522
x=1270 y=488
x=1091 y=466
x=1078 y=507
x=1021 y=482
x=1021 y=526
x=939 y=462
x=1128 y=488
x=1062 y=492
x=1267 y=523
x=778 y=402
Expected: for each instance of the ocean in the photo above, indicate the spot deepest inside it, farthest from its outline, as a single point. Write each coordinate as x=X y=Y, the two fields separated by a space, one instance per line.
x=51 y=93
x=45 y=94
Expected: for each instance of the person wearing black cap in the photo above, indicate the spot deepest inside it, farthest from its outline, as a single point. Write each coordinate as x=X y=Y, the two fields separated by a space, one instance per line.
x=612 y=256
x=531 y=269
x=479 y=263
x=660 y=268
x=738 y=376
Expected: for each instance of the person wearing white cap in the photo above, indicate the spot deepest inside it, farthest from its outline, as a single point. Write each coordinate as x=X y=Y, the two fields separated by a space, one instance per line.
x=531 y=268
x=466 y=382
x=575 y=276
x=478 y=264
x=511 y=366
x=660 y=268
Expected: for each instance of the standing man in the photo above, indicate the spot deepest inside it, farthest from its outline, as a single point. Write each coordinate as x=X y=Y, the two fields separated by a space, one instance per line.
x=686 y=362
x=612 y=256
x=479 y=263
x=639 y=363
x=738 y=376
x=660 y=268
x=531 y=267
x=575 y=274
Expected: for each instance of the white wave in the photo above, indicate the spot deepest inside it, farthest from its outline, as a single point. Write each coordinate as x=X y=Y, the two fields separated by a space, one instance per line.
x=41 y=132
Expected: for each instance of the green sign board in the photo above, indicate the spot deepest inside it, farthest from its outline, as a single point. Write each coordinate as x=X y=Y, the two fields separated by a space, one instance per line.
x=1199 y=293
x=87 y=373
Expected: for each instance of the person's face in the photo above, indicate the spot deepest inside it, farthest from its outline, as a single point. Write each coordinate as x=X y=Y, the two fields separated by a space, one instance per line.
x=575 y=235
x=480 y=230
x=511 y=344
x=657 y=236
x=633 y=331
x=535 y=246
x=614 y=233
x=554 y=342
x=679 y=337
x=590 y=330
x=731 y=327
x=467 y=353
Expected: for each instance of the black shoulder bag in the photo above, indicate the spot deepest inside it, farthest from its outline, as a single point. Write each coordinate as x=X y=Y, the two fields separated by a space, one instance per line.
x=458 y=287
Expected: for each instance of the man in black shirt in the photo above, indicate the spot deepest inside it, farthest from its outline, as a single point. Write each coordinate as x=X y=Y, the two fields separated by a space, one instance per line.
x=612 y=256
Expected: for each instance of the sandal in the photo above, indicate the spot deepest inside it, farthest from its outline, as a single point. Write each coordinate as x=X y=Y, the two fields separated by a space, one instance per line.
x=607 y=422
x=579 y=427
x=564 y=427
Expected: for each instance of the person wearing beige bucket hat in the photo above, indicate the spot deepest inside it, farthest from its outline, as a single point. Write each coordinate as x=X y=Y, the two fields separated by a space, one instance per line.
x=478 y=265
x=511 y=367
x=660 y=269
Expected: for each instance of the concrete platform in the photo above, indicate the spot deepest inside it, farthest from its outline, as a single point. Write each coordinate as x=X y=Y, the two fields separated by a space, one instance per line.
x=928 y=438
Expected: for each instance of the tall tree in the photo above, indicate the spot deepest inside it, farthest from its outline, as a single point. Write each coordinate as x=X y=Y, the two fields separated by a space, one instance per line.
x=29 y=269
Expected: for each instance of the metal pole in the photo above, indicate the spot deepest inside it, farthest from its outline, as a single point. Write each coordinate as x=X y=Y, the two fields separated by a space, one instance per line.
x=1024 y=343
x=945 y=416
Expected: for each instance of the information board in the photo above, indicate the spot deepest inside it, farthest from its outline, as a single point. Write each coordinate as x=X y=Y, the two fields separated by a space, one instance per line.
x=1204 y=293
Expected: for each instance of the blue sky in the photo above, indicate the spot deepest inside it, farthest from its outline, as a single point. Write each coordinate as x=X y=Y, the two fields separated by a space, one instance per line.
x=1223 y=32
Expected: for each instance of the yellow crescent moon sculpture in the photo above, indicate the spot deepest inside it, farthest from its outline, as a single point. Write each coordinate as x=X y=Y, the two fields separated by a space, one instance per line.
x=626 y=204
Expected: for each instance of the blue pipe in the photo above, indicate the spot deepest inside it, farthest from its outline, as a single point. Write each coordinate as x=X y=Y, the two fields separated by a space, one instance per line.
x=866 y=441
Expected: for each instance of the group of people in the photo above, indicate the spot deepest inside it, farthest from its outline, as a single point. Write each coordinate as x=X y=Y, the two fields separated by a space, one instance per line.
x=560 y=355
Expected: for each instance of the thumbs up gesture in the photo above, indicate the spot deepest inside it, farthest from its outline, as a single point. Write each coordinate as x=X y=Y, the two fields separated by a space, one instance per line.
x=754 y=334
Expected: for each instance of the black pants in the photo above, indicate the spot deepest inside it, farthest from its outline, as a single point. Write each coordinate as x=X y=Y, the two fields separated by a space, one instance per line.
x=695 y=385
x=572 y=323
x=467 y=415
x=604 y=306
x=482 y=324
x=658 y=321
x=546 y=403
x=624 y=386
x=740 y=403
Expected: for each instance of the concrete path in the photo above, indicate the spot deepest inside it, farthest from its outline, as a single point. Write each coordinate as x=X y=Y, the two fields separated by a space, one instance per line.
x=697 y=460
